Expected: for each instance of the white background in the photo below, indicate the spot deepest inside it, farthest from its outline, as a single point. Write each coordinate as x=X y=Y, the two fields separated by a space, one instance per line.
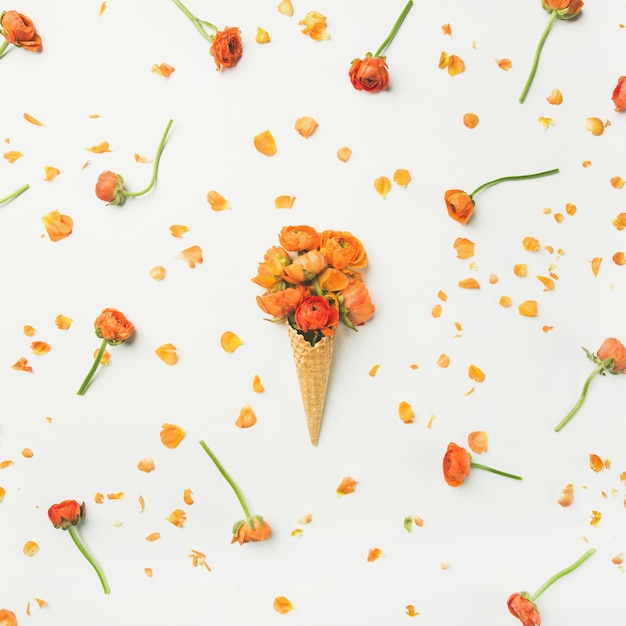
x=498 y=535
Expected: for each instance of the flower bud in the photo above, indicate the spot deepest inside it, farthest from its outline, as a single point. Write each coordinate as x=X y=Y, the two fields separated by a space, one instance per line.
x=109 y=188
x=113 y=326
x=369 y=74
x=253 y=529
x=565 y=9
x=65 y=514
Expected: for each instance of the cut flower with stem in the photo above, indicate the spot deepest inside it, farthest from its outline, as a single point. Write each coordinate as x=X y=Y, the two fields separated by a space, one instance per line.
x=252 y=527
x=522 y=604
x=461 y=205
x=558 y=9
x=67 y=515
x=113 y=328
x=14 y=194
x=457 y=463
x=611 y=358
x=110 y=186
x=226 y=47
x=19 y=30
x=371 y=73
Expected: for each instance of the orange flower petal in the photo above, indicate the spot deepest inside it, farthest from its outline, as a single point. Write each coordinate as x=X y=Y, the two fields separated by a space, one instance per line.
x=596 y=463
x=50 y=173
x=2 y=493
x=22 y=365
x=520 y=269
x=504 y=64
x=177 y=518
x=456 y=65
x=595 y=265
x=528 y=308
x=594 y=125
x=30 y=119
x=103 y=8
x=167 y=354
x=619 y=258
x=98 y=497
x=464 y=248
x=406 y=413
x=493 y=279
x=346 y=486
x=617 y=182
x=442 y=296
x=373 y=554
x=314 y=26
x=163 y=69
x=12 y=156
x=443 y=361
x=548 y=283
x=436 y=311
x=40 y=347
x=57 y=226
x=146 y=465
x=284 y=202
x=153 y=536
x=142 y=503
x=586 y=163
x=546 y=122
x=29 y=331
x=171 y=435
x=147 y=571
x=247 y=417
x=475 y=373
x=555 y=97
x=620 y=221
x=505 y=301
x=566 y=496
x=286 y=8
x=257 y=386
x=470 y=120
x=410 y=610
x=265 y=143
x=141 y=159
x=596 y=516
x=191 y=256
x=306 y=126
x=230 y=341
x=382 y=185
x=157 y=272
x=178 y=230
x=282 y=605
x=104 y=359
x=469 y=283
x=478 y=441
x=374 y=370
x=262 y=36
x=547 y=329
x=100 y=148
x=217 y=201
x=5 y=464
x=402 y=177
x=30 y=548
x=187 y=497
x=570 y=208
x=446 y=29
x=531 y=244
x=343 y=154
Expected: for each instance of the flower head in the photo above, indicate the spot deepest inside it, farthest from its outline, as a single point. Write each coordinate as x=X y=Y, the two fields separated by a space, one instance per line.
x=298 y=238
x=356 y=302
x=226 y=47
x=524 y=609
x=109 y=188
x=565 y=9
x=253 y=529
x=65 y=514
x=7 y=618
x=343 y=249
x=369 y=74
x=282 y=302
x=456 y=465
x=113 y=326
x=317 y=313
x=460 y=205
x=619 y=94
x=19 y=30
x=612 y=348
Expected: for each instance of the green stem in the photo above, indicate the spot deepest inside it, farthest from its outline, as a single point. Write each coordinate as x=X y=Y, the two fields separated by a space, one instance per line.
x=3 y=48
x=495 y=471
x=317 y=287
x=16 y=193
x=395 y=28
x=533 y=69
x=195 y=21
x=230 y=481
x=92 y=371
x=155 y=166
x=562 y=573
x=597 y=370
x=88 y=556
x=507 y=178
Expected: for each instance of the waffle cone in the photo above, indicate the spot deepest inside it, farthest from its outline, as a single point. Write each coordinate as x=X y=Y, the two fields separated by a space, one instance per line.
x=313 y=367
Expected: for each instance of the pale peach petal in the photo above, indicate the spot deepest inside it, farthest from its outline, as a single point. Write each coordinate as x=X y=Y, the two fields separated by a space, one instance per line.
x=162 y=69
x=402 y=177
x=63 y=322
x=98 y=497
x=40 y=347
x=146 y=465
x=191 y=256
x=443 y=361
x=493 y=279
x=528 y=308
x=247 y=417
x=282 y=605
x=147 y=571
x=531 y=244
x=262 y=36
x=103 y=7
x=520 y=270
x=306 y=126
x=141 y=159
x=346 y=486
x=566 y=496
x=284 y=202
x=504 y=64
x=171 y=435
x=105 y=359
x=30 y=119
x=230 y=341
x=286 y=8
x=142 y=503
x=555 y=97
x=265 y=143
x=464 y=248
x=314 y=26
x=475 y=373
x=382 y=185
x=100 y=148
x=57 y=226
x=478 y=441
x=177 y=517
x=50 y=173
x=595 y=265
x=406 y=413
x=470 y=120
x=157 y=272
x=617 y=182
x=217 y=201
x=257 y=386
x=343 y=154
x=594 y=125
x=12 y=155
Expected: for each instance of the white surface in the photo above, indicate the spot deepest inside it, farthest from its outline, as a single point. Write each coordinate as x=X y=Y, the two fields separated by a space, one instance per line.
x=498 y=535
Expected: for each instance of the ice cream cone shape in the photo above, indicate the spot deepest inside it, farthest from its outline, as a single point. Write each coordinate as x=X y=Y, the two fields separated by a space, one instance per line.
x=313 y=368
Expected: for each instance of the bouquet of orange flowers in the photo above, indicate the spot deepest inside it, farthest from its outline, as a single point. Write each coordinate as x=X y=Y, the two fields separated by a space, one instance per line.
x=312 y=284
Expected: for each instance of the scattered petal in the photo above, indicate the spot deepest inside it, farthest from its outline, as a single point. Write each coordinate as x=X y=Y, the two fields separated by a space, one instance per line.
x=22 y=365
x=191 y=256
x=12 y=156
x=520 y=269
x=284 y=202
x=63 y=322
x=286 y=8
x=167 y=354
x=469 y=283
x=142 y=504
x=40 y=347
x=230 y=341
x=297 y=532
x=100 y=148
x=555 y=97
x=264 y=142
x=314 y=26
x=30 y=548
x=115 y=496
x=617 y=182
x=546 y=122
x=402 y=177
x=5 y=464
x=470 y=120
x=262 y=36
x=141 y=159
x=566 y=497
x=478 y=441
x=98 y=497
x=586 y=163
x=406 y=413
x=619 y=258
x=436 y=310
x=475 y=373
x=596 y=516
x=346 y=486
x=306 y=126
x=146 y=465
x=57 y=226
x=171 y=435
x=531 y=244
x=596 y=463
x=247 y=417
x=282 y=605
x=570 y=208
x=443 y=361
x=162 y=69
x=153 y=536
x=178 y=230
x=177 y=518
x=29 y=118
x=504 y=64
x=547 y=329
x=217 y=201
x=105 y=358
x=618 y=559
x=50 y=173
x=382 y=185
x=374 y=370
x=493 y=279
x=455 y=64
x=442 y=295
x=410 y=611
x=620 y=221
x=595 y=265
x=374 y=554
x=2 y=493
x=464 y=248
x=446 y=29
x=157 y=272
x=343 y=154
x=594 y=125
x=29 y=331
x=147 y=571
x=431 y=419
x=187 y=499
x=528 y=308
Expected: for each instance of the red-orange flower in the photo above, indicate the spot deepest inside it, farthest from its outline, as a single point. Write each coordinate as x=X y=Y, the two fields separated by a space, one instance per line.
x=283 y=302
x=565 y=9
x=613 y=349
x=253 y=529
x=19 y=30
x=456 y=465
x=109 y=188
x=65 y=514
x=356 y=301
x=316 y=313
x=619 y=94
x=226 y=47
x=369 y=74
x=7 y=618
x=342 y=249
x=460 y=205
x=298 y=238
x=521 y=606
x=113 y=326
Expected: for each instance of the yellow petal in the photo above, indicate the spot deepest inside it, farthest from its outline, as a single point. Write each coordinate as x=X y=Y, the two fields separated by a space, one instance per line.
x=247 y=417
x=257 y=386
x=187 y=497
x=167 y=354
x=475 y=373
x=286 y=8
x=32 y=120
x=51 y=173
x=265 y=143
x=595 y=265
x=402 y=177
x=12 y=156
x=142 y=159
x=594 y=125
x=153 y=536
x=343 y=154
x=157 y=272
x=27 y=453
x=406 y=413
x=546 y=122
x=262 y=36
x=374 y=370
x=217 y=201
x=305 y=126
x=57 y=226
x=284 y=202
x=555 y=97
x=520 y=269
x=456 y=65
x=436 y=311
x=100 y=148
x=230 y=341
x=469 y=283
x=30 y=548
x=29 y=331
x=177 y=518
x=163 y=69
x=282 y=605
x=548 y=283
x=443 y=361
x=505 y=301
x=531 y=244
x=528 y=308
x=382 y=185
x=410 y=610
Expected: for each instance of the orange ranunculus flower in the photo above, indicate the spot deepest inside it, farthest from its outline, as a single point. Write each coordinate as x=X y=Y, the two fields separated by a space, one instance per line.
x=271 y=268
x=613 y=349
x=109 y=188
x=333 y=280
x=113 y=326
x=565 y=9
x=305 y=267
x=456 y=465
x=459 y=204
x=7 y=618
x=282 y=302
x=298 y=238
x=524 y=609
x=357 y=302
x=19 y=30
x=254 y=529
x=67 y=513
x=226 y=47
x=343 y=249
x=369 y=74
x=316 y=313
x=619 y=94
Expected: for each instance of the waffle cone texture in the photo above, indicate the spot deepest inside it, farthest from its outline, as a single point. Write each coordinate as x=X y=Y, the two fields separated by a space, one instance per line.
x=313 y=369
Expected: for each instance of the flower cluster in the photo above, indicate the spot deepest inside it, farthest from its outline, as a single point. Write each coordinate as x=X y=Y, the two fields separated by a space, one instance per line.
x=311 y=281
x=19 y=30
